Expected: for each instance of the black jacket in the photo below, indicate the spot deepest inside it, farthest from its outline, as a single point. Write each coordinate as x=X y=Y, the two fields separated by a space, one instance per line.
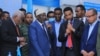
x=8 y=38
x=76 y=36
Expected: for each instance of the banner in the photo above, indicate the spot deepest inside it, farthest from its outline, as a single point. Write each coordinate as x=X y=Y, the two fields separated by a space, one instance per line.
x=89 y=5
x=49 y=3
x=29 y=6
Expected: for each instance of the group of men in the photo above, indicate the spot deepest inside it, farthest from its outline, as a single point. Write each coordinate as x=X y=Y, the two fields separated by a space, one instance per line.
x=71 y=36
x=52 y=35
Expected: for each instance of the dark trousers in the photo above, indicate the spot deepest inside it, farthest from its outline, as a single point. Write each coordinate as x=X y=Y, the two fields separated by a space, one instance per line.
x=5 y=51
x=69 y=52
x=58 y=51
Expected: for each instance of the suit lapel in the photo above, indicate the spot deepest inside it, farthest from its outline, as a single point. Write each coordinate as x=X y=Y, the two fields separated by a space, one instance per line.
x=14 y=27
x=93 y=30
x=75 y=23
x=86 y=22
x=38 y=25
x=53 y=28
x=41 y=29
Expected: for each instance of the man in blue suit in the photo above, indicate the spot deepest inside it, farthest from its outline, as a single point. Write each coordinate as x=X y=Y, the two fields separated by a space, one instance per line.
x=38 y=36
x=89 y=38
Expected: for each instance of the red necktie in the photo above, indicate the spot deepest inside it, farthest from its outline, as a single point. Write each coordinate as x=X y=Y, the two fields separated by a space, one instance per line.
x=69 y=41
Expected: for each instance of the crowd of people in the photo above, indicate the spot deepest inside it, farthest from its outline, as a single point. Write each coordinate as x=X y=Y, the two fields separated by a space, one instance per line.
x=50 y=34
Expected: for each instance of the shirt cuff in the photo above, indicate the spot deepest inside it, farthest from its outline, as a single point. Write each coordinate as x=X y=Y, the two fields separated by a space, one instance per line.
x=17 y=39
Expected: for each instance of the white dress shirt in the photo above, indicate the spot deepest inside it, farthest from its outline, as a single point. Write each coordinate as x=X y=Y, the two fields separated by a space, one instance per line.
x=83 y=19
x=57 y=28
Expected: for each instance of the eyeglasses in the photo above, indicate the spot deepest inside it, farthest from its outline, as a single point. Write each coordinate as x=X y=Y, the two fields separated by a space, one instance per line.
x=90 y=16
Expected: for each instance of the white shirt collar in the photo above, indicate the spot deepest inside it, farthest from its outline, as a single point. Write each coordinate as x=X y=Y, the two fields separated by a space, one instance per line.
x=94 y=23
x=39 y=23
x=59 y=21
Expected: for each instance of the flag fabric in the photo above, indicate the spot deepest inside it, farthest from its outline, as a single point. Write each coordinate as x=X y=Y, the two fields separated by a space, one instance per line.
x=18 y=51
x=29 y=6
x=89 y=5
x=49 y=3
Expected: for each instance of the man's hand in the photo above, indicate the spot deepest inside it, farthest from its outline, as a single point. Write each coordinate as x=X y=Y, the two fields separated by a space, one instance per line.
x=68 y=31
x=22 y=44
x=84 y=53
x=91 y=53
x=22 y=39
x=69 y=26
x=48 y=26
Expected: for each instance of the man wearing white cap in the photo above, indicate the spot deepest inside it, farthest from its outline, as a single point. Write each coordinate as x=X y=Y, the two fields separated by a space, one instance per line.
x=38 y=36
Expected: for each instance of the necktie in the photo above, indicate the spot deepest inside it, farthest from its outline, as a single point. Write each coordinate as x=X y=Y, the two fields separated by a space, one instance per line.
x=18 y=47
x=44 y=29
x=69 y=41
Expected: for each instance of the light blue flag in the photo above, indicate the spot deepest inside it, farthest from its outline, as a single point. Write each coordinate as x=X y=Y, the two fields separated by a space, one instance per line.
x=89 y=5
x=18 y=51
x=49 y=3
x=29 y=6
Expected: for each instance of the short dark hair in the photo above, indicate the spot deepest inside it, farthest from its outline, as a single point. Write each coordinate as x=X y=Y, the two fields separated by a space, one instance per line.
x=6 y=12
x=58 y=9
x=28 y=13
x=94 y=11
x=22 y=9
x=49 y=13
x=82 y=7
x=68 y=9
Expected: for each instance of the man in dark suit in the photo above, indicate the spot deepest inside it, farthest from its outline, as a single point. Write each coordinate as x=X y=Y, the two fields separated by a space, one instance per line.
x=39 y=43
x=80 y=13
x=89 y=38
x=55 y=27
x=70 y=34
x=10 y=35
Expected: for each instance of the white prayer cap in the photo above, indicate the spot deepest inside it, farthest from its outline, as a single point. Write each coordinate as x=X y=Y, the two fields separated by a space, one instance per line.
x=39 y=11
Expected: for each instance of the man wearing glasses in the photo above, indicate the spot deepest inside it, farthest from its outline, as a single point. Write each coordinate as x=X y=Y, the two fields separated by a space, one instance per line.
x=89 y=38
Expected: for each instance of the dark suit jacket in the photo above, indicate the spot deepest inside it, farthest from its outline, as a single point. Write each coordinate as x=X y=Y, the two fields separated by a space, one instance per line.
x=8 y=38
x=90 y=44
x=39 y=44
x=76 y=36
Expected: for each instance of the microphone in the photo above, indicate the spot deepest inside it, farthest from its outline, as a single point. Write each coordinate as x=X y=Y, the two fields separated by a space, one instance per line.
x=69 y=21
